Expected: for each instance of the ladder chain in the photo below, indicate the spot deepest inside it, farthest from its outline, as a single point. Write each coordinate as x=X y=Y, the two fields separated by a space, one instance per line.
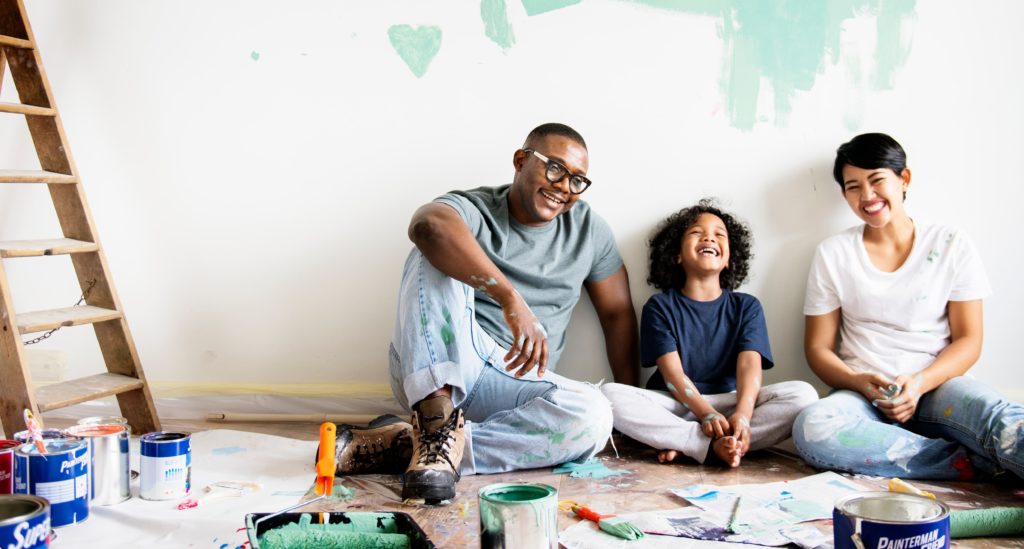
x=85 y=294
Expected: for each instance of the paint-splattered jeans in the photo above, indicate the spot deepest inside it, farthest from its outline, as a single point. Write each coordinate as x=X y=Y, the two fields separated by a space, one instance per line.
x=511 y=423
x=960 y=429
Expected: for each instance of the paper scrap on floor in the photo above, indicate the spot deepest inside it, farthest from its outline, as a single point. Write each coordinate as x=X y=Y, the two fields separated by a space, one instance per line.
x=770 y=515
x=282 y=466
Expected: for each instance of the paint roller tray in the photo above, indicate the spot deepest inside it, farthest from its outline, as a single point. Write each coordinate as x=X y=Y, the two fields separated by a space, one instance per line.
x=357 y=529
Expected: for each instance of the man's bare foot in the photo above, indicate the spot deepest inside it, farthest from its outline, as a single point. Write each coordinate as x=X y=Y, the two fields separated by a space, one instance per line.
x=728 y=450
x=666 y=456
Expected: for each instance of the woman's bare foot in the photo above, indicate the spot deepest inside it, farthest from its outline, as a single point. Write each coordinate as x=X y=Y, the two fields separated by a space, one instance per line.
x=728 y=449
x=667 y=456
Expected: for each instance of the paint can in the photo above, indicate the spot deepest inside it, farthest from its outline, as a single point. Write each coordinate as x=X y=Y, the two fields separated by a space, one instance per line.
x=7 y=467
x=109 y=473
x=24 y=522
x=518 y=516
x=165 y=466
x=889 y=520
x=61 y=477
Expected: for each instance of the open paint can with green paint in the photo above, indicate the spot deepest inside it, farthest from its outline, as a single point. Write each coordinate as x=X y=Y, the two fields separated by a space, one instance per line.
x=518 y=516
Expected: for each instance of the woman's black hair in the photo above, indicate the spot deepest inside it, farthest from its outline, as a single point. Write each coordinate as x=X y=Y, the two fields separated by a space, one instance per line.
x=870 y=151
x=666 y=274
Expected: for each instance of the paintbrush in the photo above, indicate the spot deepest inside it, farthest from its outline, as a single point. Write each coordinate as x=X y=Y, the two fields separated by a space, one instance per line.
x=610 y=524
x=35 y=430
x=228 y=488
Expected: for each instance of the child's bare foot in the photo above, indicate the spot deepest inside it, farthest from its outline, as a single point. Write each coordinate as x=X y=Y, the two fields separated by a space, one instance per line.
x=728 y=449
x=666 y=456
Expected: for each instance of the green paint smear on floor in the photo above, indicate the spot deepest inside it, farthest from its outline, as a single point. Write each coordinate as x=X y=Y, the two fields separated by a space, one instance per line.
x=496 y=25
x=786 y=42
x=536 y=7
x=416 y=46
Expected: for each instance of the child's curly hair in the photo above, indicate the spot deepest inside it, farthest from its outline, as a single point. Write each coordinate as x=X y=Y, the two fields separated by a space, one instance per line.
x=666 y=274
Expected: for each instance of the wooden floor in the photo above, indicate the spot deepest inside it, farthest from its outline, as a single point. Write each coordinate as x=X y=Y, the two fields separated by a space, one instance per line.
x=645 y=489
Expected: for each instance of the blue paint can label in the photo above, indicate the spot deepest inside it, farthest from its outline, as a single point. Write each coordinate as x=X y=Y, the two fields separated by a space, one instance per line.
x=24 y=522
x=61 y=477
x=887 y=520
x=165 y=466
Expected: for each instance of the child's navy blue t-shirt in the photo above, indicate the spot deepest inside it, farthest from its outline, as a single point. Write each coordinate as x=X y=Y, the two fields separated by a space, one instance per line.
x=709 y=336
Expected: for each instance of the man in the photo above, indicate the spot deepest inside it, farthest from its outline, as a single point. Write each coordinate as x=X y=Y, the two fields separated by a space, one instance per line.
x=485 y=301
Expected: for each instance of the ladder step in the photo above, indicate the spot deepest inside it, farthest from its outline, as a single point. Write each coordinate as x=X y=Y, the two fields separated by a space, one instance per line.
x=40 y=321
x=74 y=391
x=16 y=42
x=35 y=176
x=55 y=246
x=18 y=108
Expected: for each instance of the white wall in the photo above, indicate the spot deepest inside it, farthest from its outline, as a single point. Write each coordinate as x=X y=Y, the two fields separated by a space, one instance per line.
x=254 y=210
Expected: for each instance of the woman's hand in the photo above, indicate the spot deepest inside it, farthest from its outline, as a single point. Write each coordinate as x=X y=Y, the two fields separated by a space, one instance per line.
x=874 y=386
x=902 y=405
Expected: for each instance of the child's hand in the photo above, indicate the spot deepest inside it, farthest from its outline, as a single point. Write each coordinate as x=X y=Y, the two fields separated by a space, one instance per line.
x=741 y=430
x=714 y=424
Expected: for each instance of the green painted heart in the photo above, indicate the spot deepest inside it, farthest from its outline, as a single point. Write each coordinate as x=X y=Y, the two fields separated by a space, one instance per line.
x=417 y=47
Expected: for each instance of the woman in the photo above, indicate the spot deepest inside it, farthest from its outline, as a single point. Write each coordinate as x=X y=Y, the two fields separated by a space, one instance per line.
x=905 y=299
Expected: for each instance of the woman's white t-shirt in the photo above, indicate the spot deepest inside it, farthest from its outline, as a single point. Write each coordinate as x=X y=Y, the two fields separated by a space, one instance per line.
x=894 y=323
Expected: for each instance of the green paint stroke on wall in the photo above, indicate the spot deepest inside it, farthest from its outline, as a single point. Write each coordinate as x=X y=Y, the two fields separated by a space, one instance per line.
x=785 y=43
x=536 y=7
x=496 y=25
x=416 y=46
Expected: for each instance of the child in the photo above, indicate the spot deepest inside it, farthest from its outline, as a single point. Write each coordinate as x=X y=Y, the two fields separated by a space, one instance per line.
x=906 y=300
x=709 y=344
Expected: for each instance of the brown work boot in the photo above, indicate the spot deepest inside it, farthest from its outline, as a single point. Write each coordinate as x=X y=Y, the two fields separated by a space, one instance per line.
x=383 y=446
x=437 y=444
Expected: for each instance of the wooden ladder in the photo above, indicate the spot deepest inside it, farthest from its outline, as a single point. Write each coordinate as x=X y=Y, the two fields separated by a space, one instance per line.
x=102 y=309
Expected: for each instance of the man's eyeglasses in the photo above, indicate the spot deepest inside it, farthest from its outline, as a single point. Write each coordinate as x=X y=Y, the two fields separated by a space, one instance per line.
x=556 y=172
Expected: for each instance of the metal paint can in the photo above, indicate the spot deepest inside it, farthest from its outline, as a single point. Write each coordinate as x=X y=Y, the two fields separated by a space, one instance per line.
x=165 y=465
x=61 y=477
x=24 y=522
x=518 y=516
x=109 y=468
x=7 y=467
x=888 y=520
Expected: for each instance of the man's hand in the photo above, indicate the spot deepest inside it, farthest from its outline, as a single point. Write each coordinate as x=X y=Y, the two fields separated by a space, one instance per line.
x=714 y=424
x=902 y=405
x=740 y=425
x=530 y=339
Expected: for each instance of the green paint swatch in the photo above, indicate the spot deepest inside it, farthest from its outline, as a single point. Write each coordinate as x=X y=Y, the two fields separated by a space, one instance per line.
x=255 y=55
x=536 y=7
x=496 y=25
x=417 y=47
x=785 y=44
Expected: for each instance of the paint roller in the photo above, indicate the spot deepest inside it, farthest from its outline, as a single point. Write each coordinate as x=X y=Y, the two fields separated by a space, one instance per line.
x=982 y=523
x=375 y=531
x=973 y=523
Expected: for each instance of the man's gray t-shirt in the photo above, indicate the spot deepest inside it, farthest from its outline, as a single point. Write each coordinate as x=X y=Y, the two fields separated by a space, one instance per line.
x=547 y=265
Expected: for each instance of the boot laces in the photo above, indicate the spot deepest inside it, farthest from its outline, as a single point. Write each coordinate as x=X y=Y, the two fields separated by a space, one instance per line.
x=437 y=443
